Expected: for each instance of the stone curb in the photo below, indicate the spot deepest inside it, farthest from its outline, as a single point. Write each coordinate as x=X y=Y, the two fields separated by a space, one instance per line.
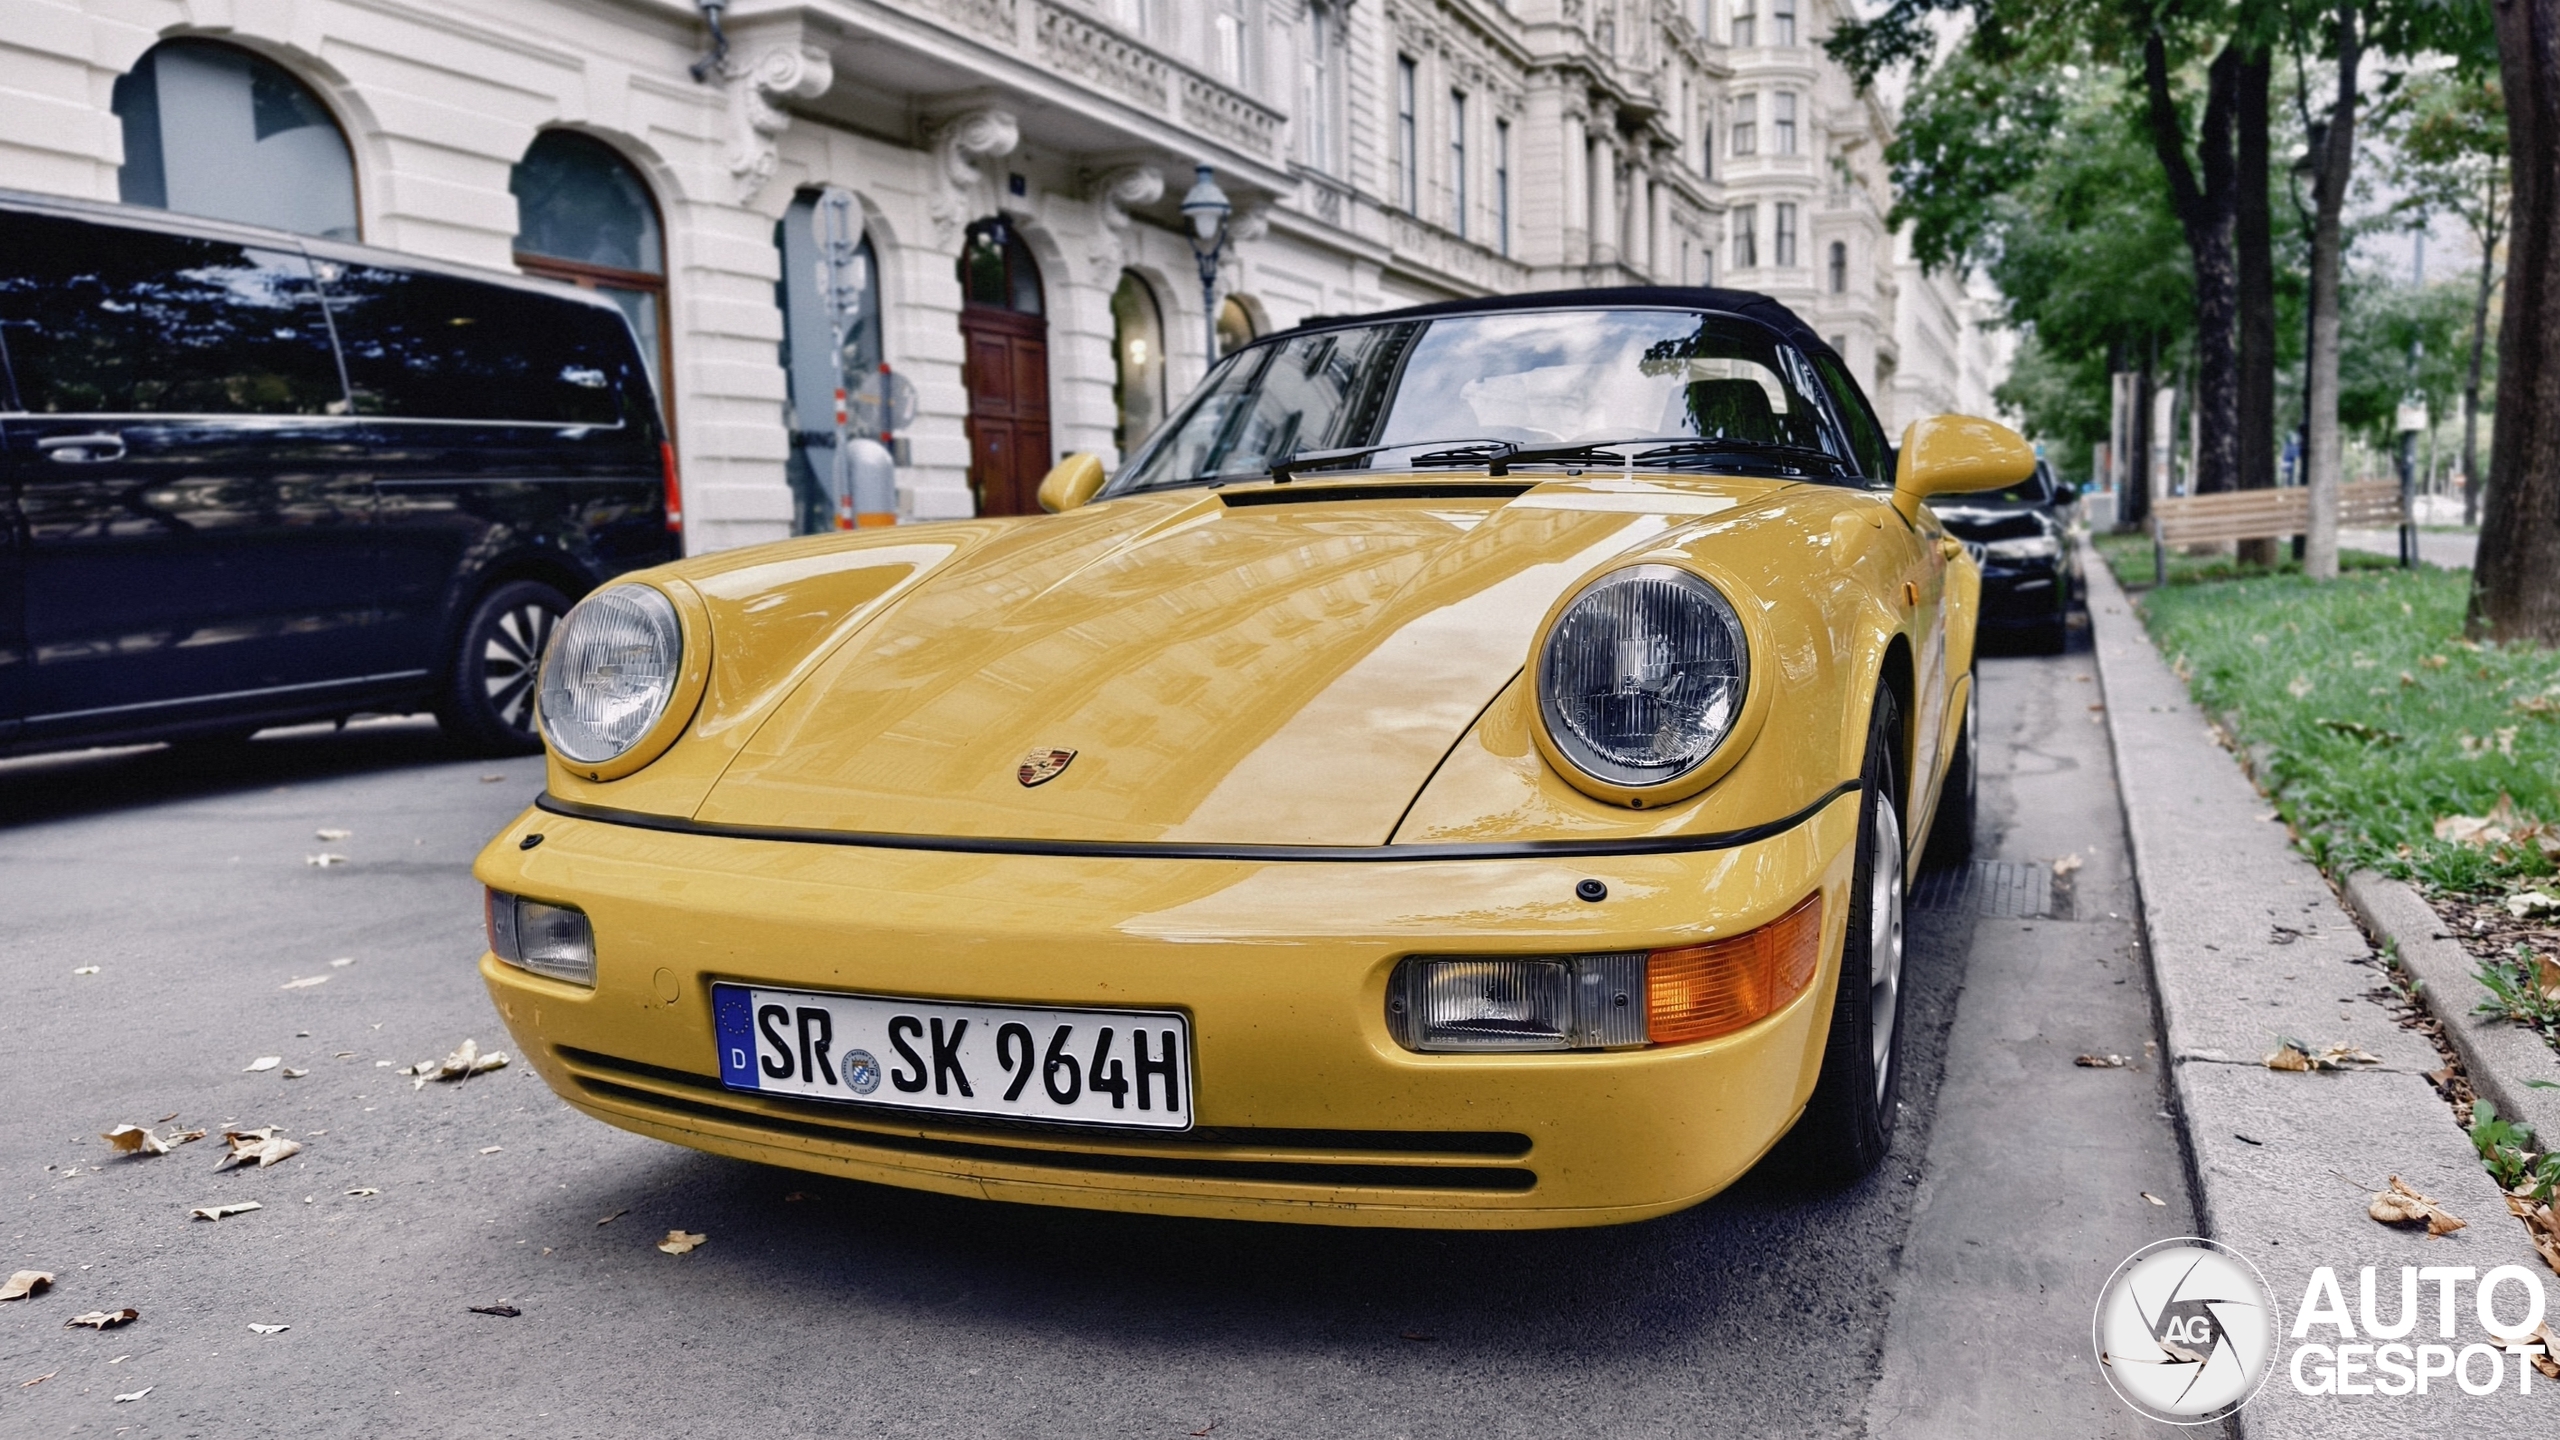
x=2247 y=942
x=2500 y=1055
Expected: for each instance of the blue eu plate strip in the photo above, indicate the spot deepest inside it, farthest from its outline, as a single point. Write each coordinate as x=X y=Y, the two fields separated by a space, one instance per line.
x=733 y=1018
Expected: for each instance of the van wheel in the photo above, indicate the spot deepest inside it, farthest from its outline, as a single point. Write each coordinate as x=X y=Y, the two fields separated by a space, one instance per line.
x=1848 y=1124
x=1951 y=833
x=488 y=701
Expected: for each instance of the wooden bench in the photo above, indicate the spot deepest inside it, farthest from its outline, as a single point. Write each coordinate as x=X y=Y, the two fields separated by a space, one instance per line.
x=2277 y=514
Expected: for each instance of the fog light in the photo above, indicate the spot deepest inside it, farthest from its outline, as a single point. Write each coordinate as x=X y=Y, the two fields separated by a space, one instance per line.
x=551 y=940
x=1698 y=992
x=1580 y=1002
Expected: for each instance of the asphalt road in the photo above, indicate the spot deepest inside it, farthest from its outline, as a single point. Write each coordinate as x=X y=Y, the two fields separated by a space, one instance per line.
x=820 y=1306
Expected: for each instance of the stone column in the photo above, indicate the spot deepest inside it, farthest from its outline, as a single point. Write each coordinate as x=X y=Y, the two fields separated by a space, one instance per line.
x=1604 y=186
x=1575 y=184
x=1658 y=241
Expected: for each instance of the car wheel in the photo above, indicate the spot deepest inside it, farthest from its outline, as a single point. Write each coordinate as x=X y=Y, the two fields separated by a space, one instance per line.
x=1951 y=832
x=488 y=701
x=1848 y=1124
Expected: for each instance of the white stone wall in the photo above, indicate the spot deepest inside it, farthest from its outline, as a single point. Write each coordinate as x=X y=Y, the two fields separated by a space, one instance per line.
x=931 y=111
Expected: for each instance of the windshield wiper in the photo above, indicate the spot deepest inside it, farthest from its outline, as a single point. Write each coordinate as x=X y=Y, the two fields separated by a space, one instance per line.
x=1795 y=459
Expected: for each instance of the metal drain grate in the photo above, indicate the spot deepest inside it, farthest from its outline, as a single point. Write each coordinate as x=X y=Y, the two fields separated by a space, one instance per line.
x=1993 y=888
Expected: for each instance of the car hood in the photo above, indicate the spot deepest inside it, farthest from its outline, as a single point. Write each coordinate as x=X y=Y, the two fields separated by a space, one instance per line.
x=1224 y=669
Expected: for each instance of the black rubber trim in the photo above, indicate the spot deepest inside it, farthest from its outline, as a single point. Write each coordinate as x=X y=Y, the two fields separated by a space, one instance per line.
x=860 y=1120
x=1301 y=493
x=1188 y=1167
x=1189 y=850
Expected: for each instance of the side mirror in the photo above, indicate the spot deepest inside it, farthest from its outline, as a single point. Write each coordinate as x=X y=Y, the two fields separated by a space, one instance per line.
x=1951 y=454
x=1070 y=483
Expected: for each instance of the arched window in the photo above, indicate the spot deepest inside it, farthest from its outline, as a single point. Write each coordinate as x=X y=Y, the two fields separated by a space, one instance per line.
x=813 y=364
x=1839 y=267
x=1235 y=326
x=584 y=215
x=996 y=269
x=216 y=131
x=1137 y=354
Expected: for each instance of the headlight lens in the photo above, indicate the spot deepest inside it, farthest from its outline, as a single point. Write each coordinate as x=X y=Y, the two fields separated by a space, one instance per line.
x=1643 y=675
x=609 y=672
x=2030 y=547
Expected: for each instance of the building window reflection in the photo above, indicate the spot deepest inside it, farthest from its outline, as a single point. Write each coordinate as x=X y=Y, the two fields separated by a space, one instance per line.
x=1137 y=353
x=584 y=215
x=217 y=131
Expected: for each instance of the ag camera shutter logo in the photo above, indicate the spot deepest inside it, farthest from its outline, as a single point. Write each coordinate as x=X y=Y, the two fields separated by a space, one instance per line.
x=2185 y=1330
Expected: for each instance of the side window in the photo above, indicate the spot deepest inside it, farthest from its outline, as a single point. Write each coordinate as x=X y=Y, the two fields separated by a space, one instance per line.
x=422 y=346
x=1866 y=437
x=102 y=320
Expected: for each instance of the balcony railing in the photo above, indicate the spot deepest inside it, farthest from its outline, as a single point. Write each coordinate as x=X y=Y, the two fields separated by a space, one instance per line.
x=1063 y=40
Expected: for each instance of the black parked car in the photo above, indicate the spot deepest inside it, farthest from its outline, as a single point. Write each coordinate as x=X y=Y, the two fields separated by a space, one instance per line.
x=255 y=478
x=2030 y=572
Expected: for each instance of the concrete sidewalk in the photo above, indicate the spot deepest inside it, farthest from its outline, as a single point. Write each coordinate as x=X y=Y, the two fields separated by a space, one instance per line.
x=2247 y=943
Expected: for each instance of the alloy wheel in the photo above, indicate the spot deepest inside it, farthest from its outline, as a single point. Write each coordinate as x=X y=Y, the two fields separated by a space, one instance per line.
x=511 y=662
x=1884 y=939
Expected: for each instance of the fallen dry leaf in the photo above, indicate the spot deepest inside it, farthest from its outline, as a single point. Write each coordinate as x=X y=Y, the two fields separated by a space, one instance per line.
x=678 y=1242
x=49 y=1374
x=2100 y=1062
x=2180 y=1353
x=616 y=1215
x=2530 y=903
x=364 y=1191
x=2548 y=1362
x=268 y=1329
x=217 y=1212
x=304 y=982
x=795 y=1197
x=2066 y=864
x=86 y=970
x=263 y=1146
x=341 y=963
x=136 y=1395
x=465 y=1062
x=324 y=859
x=491 y=1149
x=2154 y=1199
x=2296 y=1055
x=292 y=1074
x=25 y=1283
x=491 y=779
x=332 y=836
x=103 y=1319
x=134 y=1140
x=182 y=1137
x=263 y=1062
x=502 y=1310
x=2401 y=1205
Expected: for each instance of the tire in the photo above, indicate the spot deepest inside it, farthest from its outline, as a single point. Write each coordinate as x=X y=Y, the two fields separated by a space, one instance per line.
x=1951 y=832
x=488 y=701
x=1848 y=1125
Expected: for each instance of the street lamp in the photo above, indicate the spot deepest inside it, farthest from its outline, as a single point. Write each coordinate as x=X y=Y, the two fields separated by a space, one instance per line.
x=1207 y=207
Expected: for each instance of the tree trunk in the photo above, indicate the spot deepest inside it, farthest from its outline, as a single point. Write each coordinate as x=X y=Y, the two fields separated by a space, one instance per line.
x=2133 y=492
x=2471 y=478
x=2205 y=210
x=2336 y=163
x=2515 y=585
x=2253 y=235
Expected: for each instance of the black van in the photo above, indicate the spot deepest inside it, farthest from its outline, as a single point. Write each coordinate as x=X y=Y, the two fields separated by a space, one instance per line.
x=254 y=478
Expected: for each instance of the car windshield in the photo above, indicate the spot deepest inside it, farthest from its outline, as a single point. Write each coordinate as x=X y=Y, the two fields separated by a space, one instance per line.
x=1694 y=389
x=2032 y=491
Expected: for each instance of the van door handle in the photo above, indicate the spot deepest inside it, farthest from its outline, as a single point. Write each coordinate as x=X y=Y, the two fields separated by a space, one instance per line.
x=81 y=449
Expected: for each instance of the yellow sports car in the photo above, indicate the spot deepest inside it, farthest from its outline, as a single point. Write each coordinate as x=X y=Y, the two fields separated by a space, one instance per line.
x=1461 y=771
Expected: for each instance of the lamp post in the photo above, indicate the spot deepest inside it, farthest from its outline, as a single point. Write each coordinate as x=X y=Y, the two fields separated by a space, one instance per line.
x=1207 y=208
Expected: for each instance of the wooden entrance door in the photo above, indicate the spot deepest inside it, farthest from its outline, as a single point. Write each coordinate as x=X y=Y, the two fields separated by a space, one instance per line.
x=1007 y=372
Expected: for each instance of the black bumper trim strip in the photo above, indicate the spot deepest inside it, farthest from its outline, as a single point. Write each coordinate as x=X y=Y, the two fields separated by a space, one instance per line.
x=1192 y=850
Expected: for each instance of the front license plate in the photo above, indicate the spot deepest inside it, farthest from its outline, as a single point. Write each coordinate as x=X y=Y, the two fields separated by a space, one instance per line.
x=1088 y=1067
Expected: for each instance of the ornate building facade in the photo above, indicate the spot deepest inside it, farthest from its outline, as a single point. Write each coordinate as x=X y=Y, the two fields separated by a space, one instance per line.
x=1014 y=168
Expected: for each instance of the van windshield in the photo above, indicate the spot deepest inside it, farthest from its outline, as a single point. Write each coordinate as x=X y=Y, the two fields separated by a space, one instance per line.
x=1462 y=388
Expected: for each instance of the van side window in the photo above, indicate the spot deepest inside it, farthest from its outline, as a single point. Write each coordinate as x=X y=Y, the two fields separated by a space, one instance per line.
x=1866 y=437
x=423 y=346
x=108 y=321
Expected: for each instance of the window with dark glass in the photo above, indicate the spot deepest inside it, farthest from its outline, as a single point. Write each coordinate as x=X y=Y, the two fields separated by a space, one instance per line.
x=1866 y=437
x=1408 y=137
x=99 y=320
x=1746 y=128
x=1782 y=22
x=1746 y=237
x=996 y=269
x=584 y=215
x=1137 y=355
x=1839 y=267
x=1782 y=235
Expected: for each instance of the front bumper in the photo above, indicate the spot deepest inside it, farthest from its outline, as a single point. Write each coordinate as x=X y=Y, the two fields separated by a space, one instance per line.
x=1306 y=1109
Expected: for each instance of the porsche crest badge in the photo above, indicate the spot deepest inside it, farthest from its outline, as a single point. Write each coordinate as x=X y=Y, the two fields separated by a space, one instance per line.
x=1042 y=766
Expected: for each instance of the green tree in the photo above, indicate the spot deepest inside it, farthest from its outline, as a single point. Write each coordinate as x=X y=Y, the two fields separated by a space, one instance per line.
x=2449 y=156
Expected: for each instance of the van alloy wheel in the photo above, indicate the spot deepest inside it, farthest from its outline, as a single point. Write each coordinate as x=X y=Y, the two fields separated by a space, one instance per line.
x=488 y=703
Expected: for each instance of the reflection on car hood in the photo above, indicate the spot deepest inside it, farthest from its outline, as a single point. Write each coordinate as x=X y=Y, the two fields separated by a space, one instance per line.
x=1248 y=673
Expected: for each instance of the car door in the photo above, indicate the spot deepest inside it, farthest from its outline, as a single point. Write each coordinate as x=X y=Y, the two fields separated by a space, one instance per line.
x=193 y=498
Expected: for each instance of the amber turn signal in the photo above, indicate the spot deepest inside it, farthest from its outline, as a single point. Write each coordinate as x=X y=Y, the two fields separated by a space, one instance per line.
x=1698 y=992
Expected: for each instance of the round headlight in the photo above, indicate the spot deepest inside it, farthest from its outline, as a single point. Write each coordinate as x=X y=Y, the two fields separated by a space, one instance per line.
x=1643 y=675
x=610 y=670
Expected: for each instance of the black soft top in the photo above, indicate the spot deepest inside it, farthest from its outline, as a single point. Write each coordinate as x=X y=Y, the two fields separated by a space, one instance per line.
x=1747 y=304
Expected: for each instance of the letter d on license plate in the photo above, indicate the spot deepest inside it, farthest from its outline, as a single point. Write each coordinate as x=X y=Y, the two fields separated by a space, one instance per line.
x=1085 y=1067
